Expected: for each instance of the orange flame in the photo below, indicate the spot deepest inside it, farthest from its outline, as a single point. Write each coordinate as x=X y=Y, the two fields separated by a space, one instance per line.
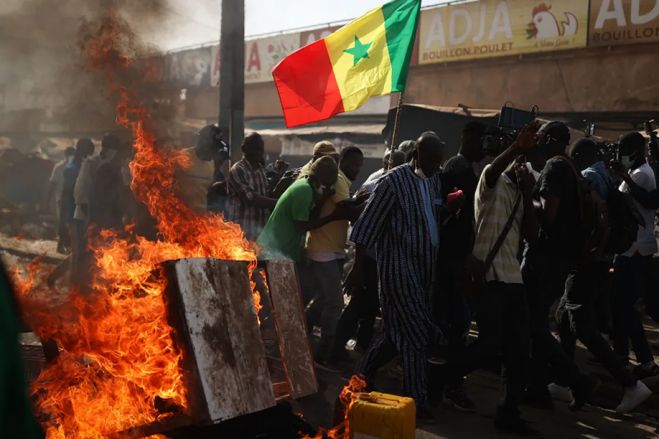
x=348 y=396
x=118 y=357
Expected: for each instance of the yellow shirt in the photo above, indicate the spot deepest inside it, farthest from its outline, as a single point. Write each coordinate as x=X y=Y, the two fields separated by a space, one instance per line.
x=191 y=184
x=331 y=238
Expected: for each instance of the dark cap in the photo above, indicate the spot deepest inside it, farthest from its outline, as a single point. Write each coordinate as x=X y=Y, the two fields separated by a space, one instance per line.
x=558 y=131
x=632 y=142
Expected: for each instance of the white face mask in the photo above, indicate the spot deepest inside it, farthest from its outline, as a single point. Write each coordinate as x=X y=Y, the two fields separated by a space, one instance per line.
x=418 y=171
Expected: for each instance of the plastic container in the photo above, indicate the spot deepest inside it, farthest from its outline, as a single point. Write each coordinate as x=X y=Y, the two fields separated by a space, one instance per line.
x=381 y=416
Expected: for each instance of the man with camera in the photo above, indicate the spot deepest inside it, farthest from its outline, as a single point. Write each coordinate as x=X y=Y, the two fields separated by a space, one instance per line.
x=577 y=312
x=504 y=214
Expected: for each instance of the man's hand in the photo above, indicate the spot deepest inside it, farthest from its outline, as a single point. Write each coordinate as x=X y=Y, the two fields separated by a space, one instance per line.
x=348 y=209
x=361 y=197
x=455 y=204
x=525 y=180
x=527 y=137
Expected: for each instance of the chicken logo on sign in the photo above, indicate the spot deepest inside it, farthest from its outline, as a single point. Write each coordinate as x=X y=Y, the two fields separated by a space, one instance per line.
x=545 y=24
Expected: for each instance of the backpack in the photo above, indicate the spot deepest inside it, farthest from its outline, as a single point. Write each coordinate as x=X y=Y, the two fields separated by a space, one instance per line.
x=593 y=215
x=624 y=220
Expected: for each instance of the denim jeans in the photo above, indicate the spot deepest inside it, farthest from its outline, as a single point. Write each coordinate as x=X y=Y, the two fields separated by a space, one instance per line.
x=629 y=285
x=327 y=296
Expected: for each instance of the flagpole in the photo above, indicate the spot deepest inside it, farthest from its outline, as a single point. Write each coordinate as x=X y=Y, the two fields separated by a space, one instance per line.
x=394 y=133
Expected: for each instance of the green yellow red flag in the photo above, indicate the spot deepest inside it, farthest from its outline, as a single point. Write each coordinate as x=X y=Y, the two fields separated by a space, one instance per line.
x=367 y=57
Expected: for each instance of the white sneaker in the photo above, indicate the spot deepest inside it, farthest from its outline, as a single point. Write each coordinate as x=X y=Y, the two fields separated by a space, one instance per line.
x=633 y=397
x=560 y=393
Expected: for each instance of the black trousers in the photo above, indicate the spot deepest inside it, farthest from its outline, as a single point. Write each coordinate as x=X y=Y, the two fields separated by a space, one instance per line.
x=577 y=318
x=451 y=311
x=502 y=315
x=415 y=375
x=631 y=275
x=545 y=283
x=359 y=316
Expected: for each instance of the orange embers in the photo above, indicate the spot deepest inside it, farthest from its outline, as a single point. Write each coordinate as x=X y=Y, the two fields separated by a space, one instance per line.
x=118 y=362
x=348 y=396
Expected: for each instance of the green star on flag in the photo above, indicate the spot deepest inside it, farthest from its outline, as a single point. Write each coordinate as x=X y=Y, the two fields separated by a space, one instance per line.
x=359 y=50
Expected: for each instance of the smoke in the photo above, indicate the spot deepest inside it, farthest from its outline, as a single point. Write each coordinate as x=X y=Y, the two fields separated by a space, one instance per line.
x=44 y=86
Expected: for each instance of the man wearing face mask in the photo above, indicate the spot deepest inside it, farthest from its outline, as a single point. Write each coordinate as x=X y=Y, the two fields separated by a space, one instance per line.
x=284 y=233
x=578 y=308
x=249 y=201
x=401 y=222
x=631 y=268
x=547 y=262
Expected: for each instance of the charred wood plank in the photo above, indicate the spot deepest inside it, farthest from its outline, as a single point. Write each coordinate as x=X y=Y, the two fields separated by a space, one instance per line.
x=210 y=306
x=291 y=328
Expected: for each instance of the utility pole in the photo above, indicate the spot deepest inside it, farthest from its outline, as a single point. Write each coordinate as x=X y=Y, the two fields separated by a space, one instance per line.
x=232 y=74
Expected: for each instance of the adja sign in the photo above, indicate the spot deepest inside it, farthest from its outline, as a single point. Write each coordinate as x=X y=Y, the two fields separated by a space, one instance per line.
x=614 y=22
x=490 y=28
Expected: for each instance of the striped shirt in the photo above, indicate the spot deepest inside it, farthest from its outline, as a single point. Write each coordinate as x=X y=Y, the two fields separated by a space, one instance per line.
x=493 y=207
x=395 y=223
x=246 y=181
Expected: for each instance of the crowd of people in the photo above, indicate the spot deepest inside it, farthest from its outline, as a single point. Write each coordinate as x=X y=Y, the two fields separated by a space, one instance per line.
x=524 y=241
x=521 y=243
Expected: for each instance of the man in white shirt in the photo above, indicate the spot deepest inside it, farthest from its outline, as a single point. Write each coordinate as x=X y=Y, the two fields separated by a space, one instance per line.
x=631 y=268
x=503 y=207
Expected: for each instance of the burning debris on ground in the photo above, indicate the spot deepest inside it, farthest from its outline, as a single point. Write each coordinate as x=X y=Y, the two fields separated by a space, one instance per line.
x=162 y=285
x=121 y=367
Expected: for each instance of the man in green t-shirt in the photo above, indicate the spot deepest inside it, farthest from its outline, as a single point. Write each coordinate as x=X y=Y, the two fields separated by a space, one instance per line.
x=284 y=233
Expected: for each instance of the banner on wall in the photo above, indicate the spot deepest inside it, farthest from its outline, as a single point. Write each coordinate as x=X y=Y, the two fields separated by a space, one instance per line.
x=311 y=36
x=614 y=22
x=491 y=28
x=260 y=57
x=189 y=68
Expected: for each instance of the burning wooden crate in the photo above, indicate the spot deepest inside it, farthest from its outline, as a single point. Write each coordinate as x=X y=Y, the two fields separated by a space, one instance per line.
x=224 y=359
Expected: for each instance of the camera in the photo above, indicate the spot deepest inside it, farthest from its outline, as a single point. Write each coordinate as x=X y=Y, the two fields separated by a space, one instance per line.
x=607 y=151
x=496 y=139
x=511 y=121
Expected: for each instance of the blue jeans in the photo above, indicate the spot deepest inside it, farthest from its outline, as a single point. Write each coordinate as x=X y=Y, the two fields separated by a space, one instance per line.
x=327 y=295
x=629 y=286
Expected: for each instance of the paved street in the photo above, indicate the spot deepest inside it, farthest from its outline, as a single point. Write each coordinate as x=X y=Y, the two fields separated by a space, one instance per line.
x=594 y=421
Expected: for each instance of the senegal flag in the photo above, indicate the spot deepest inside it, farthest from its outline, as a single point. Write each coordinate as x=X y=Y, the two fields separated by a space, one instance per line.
x=367 y=57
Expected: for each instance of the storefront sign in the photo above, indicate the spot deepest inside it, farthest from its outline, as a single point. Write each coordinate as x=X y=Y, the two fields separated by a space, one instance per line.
x=491 y=28
x=614 y=22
